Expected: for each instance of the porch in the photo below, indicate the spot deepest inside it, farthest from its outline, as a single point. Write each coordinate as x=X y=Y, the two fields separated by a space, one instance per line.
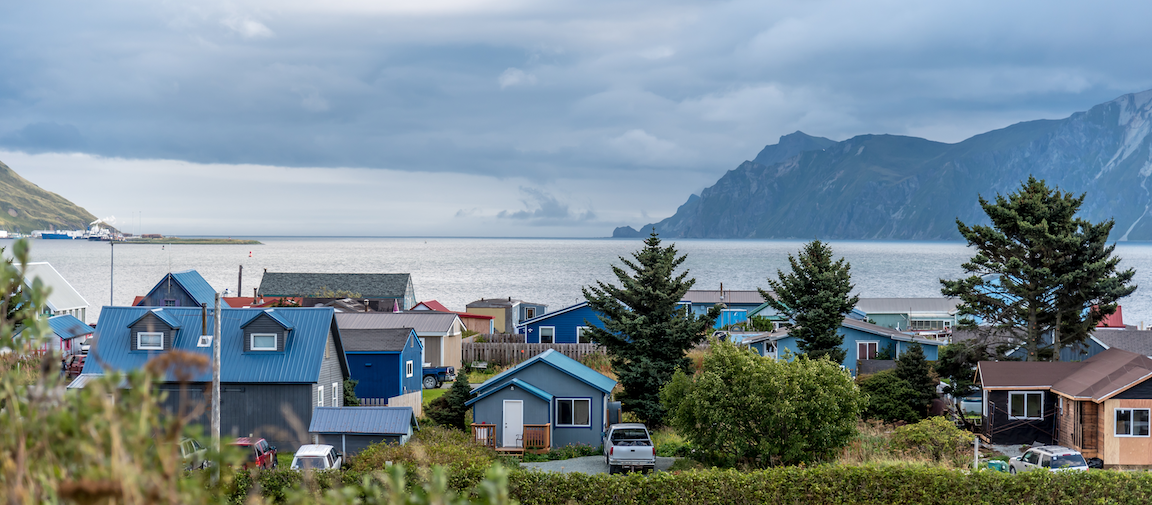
x=536 y=439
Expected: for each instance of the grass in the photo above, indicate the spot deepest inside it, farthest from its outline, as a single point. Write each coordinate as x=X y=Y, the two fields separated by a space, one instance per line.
x=432 y=394
x=284 y=459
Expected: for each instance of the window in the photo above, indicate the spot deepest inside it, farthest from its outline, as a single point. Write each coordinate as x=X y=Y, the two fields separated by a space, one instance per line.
x=319 y=396
x=1026 y=405
x=335 y=394
x=529 y=312
x=408 y=369
x=205 y=341
x=148 y=341
x=263 y=342
x=1132 y=422
x=922 y=325
x=573 y=412
x=581 y=337
x=867 y=350
x=169 y=303
x=547 y=334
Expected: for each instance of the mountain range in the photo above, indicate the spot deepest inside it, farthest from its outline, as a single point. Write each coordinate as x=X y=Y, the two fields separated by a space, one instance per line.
x=898 y=187
x=25 y=207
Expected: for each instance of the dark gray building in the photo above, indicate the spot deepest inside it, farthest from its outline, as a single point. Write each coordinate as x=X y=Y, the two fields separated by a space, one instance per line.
x=380 y=292
x=352 y=429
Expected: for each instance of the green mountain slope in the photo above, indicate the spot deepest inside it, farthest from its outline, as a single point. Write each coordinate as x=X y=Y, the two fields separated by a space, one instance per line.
x=25 y=207
x=895 y=187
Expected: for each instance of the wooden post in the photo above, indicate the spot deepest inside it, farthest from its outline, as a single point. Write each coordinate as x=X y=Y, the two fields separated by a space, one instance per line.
x=240 y=282
x=976 y=455
x=216 y=389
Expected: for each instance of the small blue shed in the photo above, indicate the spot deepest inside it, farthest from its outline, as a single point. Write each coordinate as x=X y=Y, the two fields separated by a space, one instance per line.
x=385 y=361
x=352 y=429
x=564 y=326
x=548 y=401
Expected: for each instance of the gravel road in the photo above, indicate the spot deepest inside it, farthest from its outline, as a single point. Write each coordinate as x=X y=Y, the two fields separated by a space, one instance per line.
x=588 y=464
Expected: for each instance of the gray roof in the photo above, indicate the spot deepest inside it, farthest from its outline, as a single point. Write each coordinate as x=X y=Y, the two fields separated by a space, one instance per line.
x=64 y=296
x=496 y=303
x=905 y=305
x=364 y=420
x=373 y=286
x=381 y=339
x=727 y=296
x=424 y=322
x=1137 y=341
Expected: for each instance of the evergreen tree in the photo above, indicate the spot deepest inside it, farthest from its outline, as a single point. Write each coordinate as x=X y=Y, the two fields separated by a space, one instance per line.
x=917 y=372
x=350 y=399
x=645 y=333
x=1039 y=270
x=449 y=410
x=890 y=398
x=815 y=295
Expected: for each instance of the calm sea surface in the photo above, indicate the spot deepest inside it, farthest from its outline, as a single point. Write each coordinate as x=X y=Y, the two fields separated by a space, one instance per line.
x=456 y=271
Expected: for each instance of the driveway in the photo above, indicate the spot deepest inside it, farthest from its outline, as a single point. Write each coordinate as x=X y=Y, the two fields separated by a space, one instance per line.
x=589 y=465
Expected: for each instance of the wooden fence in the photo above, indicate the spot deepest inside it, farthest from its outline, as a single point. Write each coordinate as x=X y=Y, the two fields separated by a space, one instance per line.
x=510 y=354
x=414 y=400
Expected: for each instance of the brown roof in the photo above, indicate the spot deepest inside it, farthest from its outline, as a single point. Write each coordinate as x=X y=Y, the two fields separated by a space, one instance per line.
x=1105 y=374
x=1023 y=374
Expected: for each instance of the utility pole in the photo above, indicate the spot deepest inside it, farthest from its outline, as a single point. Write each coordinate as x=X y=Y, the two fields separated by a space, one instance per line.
x=216 y=388
x=112 y=275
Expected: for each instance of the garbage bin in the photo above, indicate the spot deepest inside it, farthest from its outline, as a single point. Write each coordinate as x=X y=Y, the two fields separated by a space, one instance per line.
x=999 y=466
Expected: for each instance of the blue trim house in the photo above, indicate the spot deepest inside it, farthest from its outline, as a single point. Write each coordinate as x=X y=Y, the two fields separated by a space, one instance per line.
x=862 y=341
x=564 y=326
x=66 y=329
x=386 y=362
x=550 y=400
x=181 y=289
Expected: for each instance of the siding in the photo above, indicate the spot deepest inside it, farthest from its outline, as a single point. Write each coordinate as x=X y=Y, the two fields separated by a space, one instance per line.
x=1001 y=430
x=379 y=374
x=1124 y=451
x=1141 y=391
x=559 y=385
x=265 y=324
x=432 y=352
x=251 y=409
x=151 y=323
x=351 y=445
x=168 y=290
x=490 y=410
x=411 y=353
x=330 y=372
x=565 y=325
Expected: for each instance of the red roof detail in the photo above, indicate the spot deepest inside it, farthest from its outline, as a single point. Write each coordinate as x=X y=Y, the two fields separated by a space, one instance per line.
x=436 y=306
x=1116 y=320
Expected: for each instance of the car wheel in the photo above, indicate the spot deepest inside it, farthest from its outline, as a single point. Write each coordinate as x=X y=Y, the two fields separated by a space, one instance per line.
x=430 y=382
x=613 y=469
x=1012 y=470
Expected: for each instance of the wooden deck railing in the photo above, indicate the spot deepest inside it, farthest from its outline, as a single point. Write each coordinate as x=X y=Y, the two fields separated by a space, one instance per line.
x=484 y=434
x=537 y=438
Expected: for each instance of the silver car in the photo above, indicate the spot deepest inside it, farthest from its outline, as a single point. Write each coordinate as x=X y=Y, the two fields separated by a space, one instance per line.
x=1048 y=457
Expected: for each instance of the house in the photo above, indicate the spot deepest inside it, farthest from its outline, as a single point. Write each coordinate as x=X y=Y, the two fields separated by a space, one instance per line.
x=863 y=341
x=271 y=361
x=478 y=323
x=353 y=429
x=507 y=313
x=68 y=335
x=180 y=289
x=548 y=401
x=1099 y=406
x=925 y=316
x=564 y=326
x=439 y=332
x=737 y=304
x=64 y=299
x=386 y=361
x=383 y=292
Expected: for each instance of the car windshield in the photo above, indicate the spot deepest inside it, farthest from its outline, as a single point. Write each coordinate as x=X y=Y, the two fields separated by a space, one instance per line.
x=308 y=462
x=1068 y=460
x=629 y=434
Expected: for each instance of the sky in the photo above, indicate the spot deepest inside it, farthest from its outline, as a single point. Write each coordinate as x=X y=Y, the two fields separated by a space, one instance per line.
x=506 y=118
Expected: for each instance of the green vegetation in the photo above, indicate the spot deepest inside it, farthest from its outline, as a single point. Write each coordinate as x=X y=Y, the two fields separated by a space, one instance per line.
x=936 y=437
x=645 y=333
x=749 y=411
x=192 y=241
x=25 y=207
x=448 y=410
x=1039 y=268
x=890 y=398
x=917 y=372
x=815 y=294
x=350 y=398
x=564 y=452
x=429 y=395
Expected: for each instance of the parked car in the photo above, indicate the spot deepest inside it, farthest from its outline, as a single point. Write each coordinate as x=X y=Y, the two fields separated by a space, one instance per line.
x=627 y=446
x=193 y=454
x=75 y=365
x=317 y=457
x=434 y=377
x=1049 y=457
x=260 y=454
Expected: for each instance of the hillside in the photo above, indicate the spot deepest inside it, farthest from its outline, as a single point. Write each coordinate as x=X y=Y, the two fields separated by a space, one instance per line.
x=25 y=207
x=896 y=187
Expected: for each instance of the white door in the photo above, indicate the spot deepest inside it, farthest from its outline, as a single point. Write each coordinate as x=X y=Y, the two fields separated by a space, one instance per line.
x=513 y=423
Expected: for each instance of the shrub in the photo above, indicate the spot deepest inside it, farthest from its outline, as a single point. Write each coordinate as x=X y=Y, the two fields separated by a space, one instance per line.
x=936 y=437
x=564 y=452
x=449 y=410
x=890 y=398
x=465 y=460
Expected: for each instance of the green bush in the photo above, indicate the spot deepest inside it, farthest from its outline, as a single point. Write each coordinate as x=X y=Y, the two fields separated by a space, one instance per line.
x=936 y=437
x=890 y=398
x=564 y=452
x=465 y=460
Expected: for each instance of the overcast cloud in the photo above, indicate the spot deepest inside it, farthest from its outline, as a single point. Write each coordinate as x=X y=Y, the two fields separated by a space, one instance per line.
x=509 y=118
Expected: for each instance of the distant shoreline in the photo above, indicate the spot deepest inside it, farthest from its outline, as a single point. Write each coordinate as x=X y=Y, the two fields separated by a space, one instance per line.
x=193 y=241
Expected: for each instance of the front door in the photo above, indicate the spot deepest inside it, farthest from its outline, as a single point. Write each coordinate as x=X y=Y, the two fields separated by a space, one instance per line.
x=513 y=423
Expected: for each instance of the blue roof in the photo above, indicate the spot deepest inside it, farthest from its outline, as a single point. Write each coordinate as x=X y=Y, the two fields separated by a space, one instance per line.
x=66 y=327
x=299 y=363
x=560 y=362
x=552 y=314
x=195 y=285
x=167 y=317
x=539 y=393
x=366 y=420
x=284 y=323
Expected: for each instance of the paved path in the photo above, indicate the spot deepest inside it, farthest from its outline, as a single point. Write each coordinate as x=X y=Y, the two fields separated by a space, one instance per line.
x=589 y=465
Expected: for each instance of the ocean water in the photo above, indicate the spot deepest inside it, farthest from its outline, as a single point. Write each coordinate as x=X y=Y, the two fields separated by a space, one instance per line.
x=456 y=271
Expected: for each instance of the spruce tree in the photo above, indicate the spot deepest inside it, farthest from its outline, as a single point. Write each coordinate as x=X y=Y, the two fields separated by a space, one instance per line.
x=815 y=295
x=917 y=372
x=1039 y=270
x=449 y=410
x=646 y=334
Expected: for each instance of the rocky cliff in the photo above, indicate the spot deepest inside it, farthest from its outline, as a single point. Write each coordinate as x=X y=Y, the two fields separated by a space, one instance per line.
x=25 y=207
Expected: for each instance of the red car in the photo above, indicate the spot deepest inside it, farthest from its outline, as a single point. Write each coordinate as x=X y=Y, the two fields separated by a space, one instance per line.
x=260 y=454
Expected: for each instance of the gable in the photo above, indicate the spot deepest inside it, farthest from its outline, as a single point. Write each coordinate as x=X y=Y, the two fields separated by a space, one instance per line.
x=263 y=328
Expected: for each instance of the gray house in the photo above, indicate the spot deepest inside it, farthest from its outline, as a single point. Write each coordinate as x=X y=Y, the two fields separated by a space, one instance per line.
x=548 y=401
x=352 y=429
x=270 y=360
x=380 y=292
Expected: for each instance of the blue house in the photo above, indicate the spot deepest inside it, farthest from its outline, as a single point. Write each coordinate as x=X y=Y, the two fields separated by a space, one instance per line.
x=270 y=360
x=738 y=304
x=69 y=335
x=180 y=289
x=386 y=362
x=564 y=326
x=862 y=341
x=548 y=401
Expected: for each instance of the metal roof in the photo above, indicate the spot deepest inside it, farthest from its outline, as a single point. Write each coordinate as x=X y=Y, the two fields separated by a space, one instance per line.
x=63 y=296
x=552 y=314
x=727 y=296
x=275 y=316
x=167 y=317
x=558 y=361
x=906 y=305
x=426 y=323
x=379 y=340
x=197 y=287
x=371 y=286
x=535 y=391
x=68 y=326
x=365 y=420
x=299 y=363
x=884 y=331
x=497 y=303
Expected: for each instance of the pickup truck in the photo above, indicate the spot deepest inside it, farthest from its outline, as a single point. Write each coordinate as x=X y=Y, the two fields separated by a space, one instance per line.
x=433 y=377
x=627 y=446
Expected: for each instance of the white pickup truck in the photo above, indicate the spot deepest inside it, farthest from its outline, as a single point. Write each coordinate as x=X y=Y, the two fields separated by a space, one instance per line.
x=627 y=446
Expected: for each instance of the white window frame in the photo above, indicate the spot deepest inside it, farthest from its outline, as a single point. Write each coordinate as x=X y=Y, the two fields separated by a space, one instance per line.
x=252 y=341
x=319 y=395
x=540 y=336
x=140 y=341
x=866 y=342
x=204 y=341
x=573 y=401
x=408 y=368
x=1025 y=394
x=580 y=334
x=529 y=313
x=335 y=394
x=1131 y=422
